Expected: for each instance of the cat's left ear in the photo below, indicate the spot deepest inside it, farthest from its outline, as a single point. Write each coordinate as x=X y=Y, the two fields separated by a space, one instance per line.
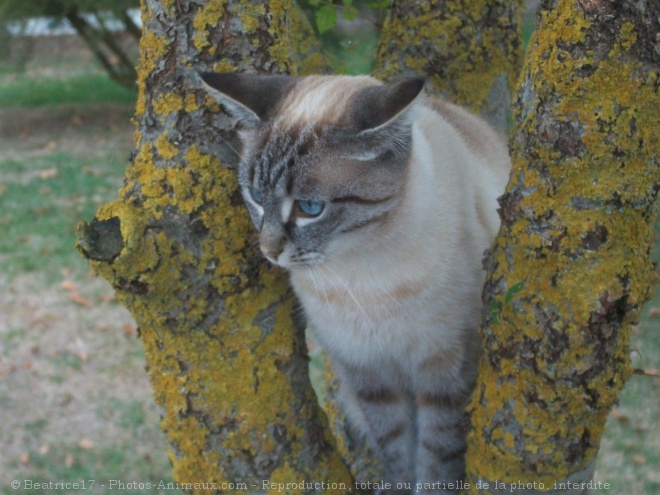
x=377 y=107
x=249 y=98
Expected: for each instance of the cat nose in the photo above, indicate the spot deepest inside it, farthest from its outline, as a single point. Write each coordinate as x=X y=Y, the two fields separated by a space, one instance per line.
x=271 y=246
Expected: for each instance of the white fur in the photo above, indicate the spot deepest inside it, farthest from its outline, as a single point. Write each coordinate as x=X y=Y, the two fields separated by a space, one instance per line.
x=435 y=241
x=407 y=293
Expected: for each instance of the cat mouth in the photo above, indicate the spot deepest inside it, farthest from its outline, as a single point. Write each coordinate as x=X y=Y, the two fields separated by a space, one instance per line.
x=305 y=259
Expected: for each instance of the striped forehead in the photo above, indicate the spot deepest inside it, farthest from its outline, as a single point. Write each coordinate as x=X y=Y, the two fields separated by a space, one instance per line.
x=319 y=99
x=311 y=106
x=277 y=156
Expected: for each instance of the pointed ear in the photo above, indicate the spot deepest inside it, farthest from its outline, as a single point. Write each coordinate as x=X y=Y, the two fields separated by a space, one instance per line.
x=377 y=106
x=250 y=98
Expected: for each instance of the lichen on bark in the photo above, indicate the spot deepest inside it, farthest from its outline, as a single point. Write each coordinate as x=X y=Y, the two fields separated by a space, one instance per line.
x=226 y=361
x=576 y=230
x=470 y=51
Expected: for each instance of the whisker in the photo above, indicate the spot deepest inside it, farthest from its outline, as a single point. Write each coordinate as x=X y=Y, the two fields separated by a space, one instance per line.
x=225 y=141
x=350 y=293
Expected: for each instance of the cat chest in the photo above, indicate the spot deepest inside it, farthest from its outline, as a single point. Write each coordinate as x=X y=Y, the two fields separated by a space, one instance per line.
x=355 y=310
x=375 y=299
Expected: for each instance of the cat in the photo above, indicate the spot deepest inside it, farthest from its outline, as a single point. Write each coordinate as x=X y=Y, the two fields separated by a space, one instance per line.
x=380 y=201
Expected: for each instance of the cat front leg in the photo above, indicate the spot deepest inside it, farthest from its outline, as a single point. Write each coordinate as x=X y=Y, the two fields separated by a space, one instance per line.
x=387 y=414
x=441 y=393
x=440 y=464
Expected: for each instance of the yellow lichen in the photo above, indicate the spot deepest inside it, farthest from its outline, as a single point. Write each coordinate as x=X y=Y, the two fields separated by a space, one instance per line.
x=560 y=271
x=167 y=103
x=165 y=149
x=207 y=17
x=471 y=62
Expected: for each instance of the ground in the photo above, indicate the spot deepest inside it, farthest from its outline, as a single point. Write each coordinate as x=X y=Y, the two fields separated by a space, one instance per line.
x=75 y=401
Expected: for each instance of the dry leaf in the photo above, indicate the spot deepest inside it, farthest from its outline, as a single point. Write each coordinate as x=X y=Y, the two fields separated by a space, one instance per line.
x=648 y=372
x=639 y=459
x=43 y=450
x=24 y=458
x=83 y=356
x=68 y=460
x=108 y=298
x=68 y=285
x=78 y=299
x=76 y=120
x=48 y=173
x=85 y=443
x=620 y=417
x=128 y=329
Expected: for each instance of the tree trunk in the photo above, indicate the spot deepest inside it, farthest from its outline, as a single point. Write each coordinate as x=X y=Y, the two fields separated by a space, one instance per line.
x=571 y=266
x=470 y=50
x=227 y=364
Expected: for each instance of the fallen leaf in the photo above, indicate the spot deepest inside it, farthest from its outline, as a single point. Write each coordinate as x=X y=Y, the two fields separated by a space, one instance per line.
x=85 y=443
x=78 y=299
x=620 y=417
x=639 y=459
x=24 y=458
x=76 y=120
x=128 y=329
x=647 y=372
x=68 y=285
x=108 y=298
x=48 y=173
x=43 y=450
x=83 y=356
x=68 y=460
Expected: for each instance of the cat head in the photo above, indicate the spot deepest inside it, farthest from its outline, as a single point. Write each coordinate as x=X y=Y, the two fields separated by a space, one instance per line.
x=324 y=158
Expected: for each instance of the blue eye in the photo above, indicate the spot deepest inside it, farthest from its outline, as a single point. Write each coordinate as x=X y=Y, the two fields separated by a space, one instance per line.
x=311 y=208
x=255 y=195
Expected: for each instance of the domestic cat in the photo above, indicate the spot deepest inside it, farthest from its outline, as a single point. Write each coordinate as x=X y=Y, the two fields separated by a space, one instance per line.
x=380 y=201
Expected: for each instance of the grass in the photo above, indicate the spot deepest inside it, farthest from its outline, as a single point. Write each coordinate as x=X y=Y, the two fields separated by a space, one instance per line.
x=25 y=90
x=68 y=464
x=42 y=201
x=630 y=450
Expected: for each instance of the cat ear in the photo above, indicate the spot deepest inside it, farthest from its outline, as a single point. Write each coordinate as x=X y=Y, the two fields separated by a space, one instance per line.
x=250 y=98
x=378 y=106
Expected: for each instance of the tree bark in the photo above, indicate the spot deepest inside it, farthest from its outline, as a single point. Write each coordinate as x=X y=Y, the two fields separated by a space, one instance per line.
x=227 y=364
x=571 y=267
x=470 y=51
